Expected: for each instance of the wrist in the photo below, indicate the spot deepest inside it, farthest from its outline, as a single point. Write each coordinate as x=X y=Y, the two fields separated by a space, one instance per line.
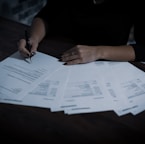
x=101 y=52
x=35 y=39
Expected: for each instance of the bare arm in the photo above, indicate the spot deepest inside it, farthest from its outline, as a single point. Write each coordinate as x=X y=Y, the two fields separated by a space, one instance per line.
x=85 y=54
x=118 y=53
x=38 y=30
x=37 y=33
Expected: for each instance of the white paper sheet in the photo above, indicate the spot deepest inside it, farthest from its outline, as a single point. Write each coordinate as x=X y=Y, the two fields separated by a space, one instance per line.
x=92 y=87
x=18 y=77
x=85 y=91
x=129 y=84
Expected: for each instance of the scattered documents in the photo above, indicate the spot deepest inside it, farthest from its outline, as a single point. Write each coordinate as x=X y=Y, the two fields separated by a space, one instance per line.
x=84 y=88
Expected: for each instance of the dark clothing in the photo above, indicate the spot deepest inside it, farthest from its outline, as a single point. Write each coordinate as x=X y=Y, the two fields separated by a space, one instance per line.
x=108 y=23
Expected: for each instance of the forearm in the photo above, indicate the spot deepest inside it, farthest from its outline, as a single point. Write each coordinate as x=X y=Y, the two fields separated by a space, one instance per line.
x=117 y=53
x=38 y=30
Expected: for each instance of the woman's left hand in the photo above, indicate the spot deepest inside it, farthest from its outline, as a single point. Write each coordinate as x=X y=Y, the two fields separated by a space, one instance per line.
x=80 y=54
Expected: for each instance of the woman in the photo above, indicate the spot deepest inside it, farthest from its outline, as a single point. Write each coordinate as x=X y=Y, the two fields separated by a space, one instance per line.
x=100 y=29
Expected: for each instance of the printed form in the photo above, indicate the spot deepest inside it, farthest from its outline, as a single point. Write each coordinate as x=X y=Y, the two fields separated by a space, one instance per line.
x=83 y=88
x=18 y=77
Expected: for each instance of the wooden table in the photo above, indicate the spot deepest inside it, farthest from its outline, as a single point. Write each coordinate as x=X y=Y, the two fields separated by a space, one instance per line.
x=38 y=125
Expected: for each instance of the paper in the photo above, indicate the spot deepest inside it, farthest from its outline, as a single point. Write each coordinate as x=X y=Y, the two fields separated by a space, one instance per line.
x=85 y=91
x=18 y=76
x=129 y=86
x=83 y=88
x=47 y=94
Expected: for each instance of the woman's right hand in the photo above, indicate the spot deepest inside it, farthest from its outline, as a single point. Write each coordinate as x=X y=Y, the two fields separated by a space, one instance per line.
x=23 y=50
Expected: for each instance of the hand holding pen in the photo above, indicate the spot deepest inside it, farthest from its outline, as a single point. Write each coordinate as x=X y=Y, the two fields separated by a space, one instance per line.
x=28 y=46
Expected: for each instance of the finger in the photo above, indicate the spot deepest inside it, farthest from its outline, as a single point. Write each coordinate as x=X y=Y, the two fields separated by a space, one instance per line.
x=73 y=62
x=21 y=47
x=69 y=54
x=34 y=46
x=69 y=57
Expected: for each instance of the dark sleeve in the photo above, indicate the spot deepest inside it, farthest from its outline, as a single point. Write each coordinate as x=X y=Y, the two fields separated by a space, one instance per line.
x=139 y=32
x=55 y=15
x=47 y=13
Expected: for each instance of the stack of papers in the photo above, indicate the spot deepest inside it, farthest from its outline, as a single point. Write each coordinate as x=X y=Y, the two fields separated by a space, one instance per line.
x=84 y=88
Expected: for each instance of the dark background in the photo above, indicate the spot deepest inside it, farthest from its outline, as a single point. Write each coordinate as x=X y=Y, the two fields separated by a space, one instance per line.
x=23 y=11
x=20 y=10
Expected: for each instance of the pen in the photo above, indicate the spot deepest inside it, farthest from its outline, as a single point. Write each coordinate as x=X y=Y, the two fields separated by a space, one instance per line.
x=27 y=43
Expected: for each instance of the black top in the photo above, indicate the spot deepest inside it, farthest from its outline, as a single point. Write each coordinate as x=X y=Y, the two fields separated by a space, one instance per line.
x=108 y=23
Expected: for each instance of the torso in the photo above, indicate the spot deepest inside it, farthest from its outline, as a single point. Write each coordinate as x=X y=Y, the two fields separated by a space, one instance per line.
x=96 y=24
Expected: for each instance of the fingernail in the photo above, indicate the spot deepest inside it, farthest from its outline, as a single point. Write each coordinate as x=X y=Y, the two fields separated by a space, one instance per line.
x=33 y=53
